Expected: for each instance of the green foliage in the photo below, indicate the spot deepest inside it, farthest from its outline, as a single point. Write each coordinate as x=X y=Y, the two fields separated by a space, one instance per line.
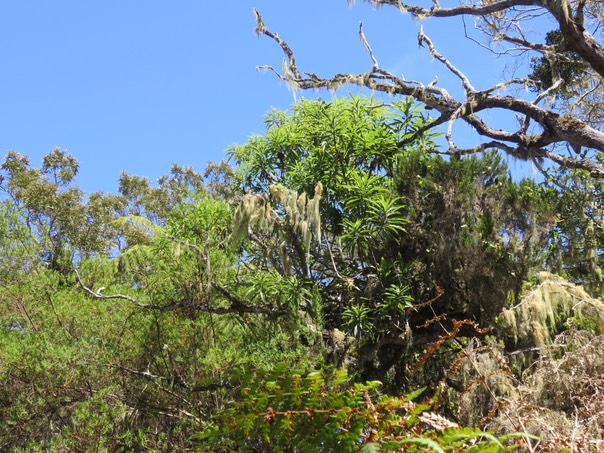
x=372 y=214
x=18 y=247
x=259 y=313
x=406 y=236
x=54 y=210
x=155 y=203
x=575 y=243
x=475 y=230
x=308 y=412
x=357 y=320
x=547 y=69
x=335 y=143
x=56 y=364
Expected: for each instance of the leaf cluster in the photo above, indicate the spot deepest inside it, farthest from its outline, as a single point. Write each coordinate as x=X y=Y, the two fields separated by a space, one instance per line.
x=315 y=411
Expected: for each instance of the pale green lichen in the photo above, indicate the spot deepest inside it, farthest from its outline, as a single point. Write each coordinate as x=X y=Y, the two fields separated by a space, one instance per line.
x=545 y=310
x=301 y=217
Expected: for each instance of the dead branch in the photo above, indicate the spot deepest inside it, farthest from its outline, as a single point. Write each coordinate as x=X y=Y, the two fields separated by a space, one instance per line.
x=520 y=143
x=236 y=307
x=577 y=39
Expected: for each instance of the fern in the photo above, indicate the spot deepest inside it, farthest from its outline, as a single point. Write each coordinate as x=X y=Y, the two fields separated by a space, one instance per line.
x=325 y=412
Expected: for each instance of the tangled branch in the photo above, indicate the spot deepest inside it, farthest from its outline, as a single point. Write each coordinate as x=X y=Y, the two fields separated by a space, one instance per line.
x=236 y=305
x=524 y=143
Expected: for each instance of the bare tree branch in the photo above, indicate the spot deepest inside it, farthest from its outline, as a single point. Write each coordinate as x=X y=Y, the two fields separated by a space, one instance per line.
x=423 y=38
x=97 y=294
x=481 y=9
x=576 y=37
x=236 y=307
x=262 y=30
x=554 y=128
x=367 y=46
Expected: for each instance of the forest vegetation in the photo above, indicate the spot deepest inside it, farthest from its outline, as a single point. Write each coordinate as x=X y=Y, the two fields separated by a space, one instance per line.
x=340 y=284
x=330 y=292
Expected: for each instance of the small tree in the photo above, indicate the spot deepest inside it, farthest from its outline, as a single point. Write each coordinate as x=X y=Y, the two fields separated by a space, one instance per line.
x=405 y=236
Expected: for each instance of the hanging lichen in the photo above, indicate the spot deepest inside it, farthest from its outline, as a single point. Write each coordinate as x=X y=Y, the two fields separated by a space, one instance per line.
x=544 y=311
x=254 y=211
x=292 y=219
x=287 y=264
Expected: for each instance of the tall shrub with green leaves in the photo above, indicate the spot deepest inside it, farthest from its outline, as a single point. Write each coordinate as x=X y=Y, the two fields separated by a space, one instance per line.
x=406 y=236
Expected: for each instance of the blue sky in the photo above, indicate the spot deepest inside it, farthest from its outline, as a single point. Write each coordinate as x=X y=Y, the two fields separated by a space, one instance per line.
x=137 y=85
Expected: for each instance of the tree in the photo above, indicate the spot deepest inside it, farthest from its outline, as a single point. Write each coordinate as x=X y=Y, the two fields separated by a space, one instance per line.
x=54 y=211
x=134 y=348
x=155 y=203
x=568 y=67
x=404 y=235
x=67 y=225
x=577 y=240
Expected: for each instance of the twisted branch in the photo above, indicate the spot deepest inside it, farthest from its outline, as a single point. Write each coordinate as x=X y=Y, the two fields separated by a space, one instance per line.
x=519 y=143
x=236 y=305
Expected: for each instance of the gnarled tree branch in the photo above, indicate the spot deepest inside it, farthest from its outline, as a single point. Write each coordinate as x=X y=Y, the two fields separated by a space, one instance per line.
x=520 y=143
x=236 y=305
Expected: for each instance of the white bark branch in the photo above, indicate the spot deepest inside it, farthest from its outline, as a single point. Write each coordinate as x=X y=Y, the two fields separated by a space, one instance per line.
x=236 y=307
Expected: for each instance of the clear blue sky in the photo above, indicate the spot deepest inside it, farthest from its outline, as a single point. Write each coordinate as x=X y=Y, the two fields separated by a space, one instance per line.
x=137 y=85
